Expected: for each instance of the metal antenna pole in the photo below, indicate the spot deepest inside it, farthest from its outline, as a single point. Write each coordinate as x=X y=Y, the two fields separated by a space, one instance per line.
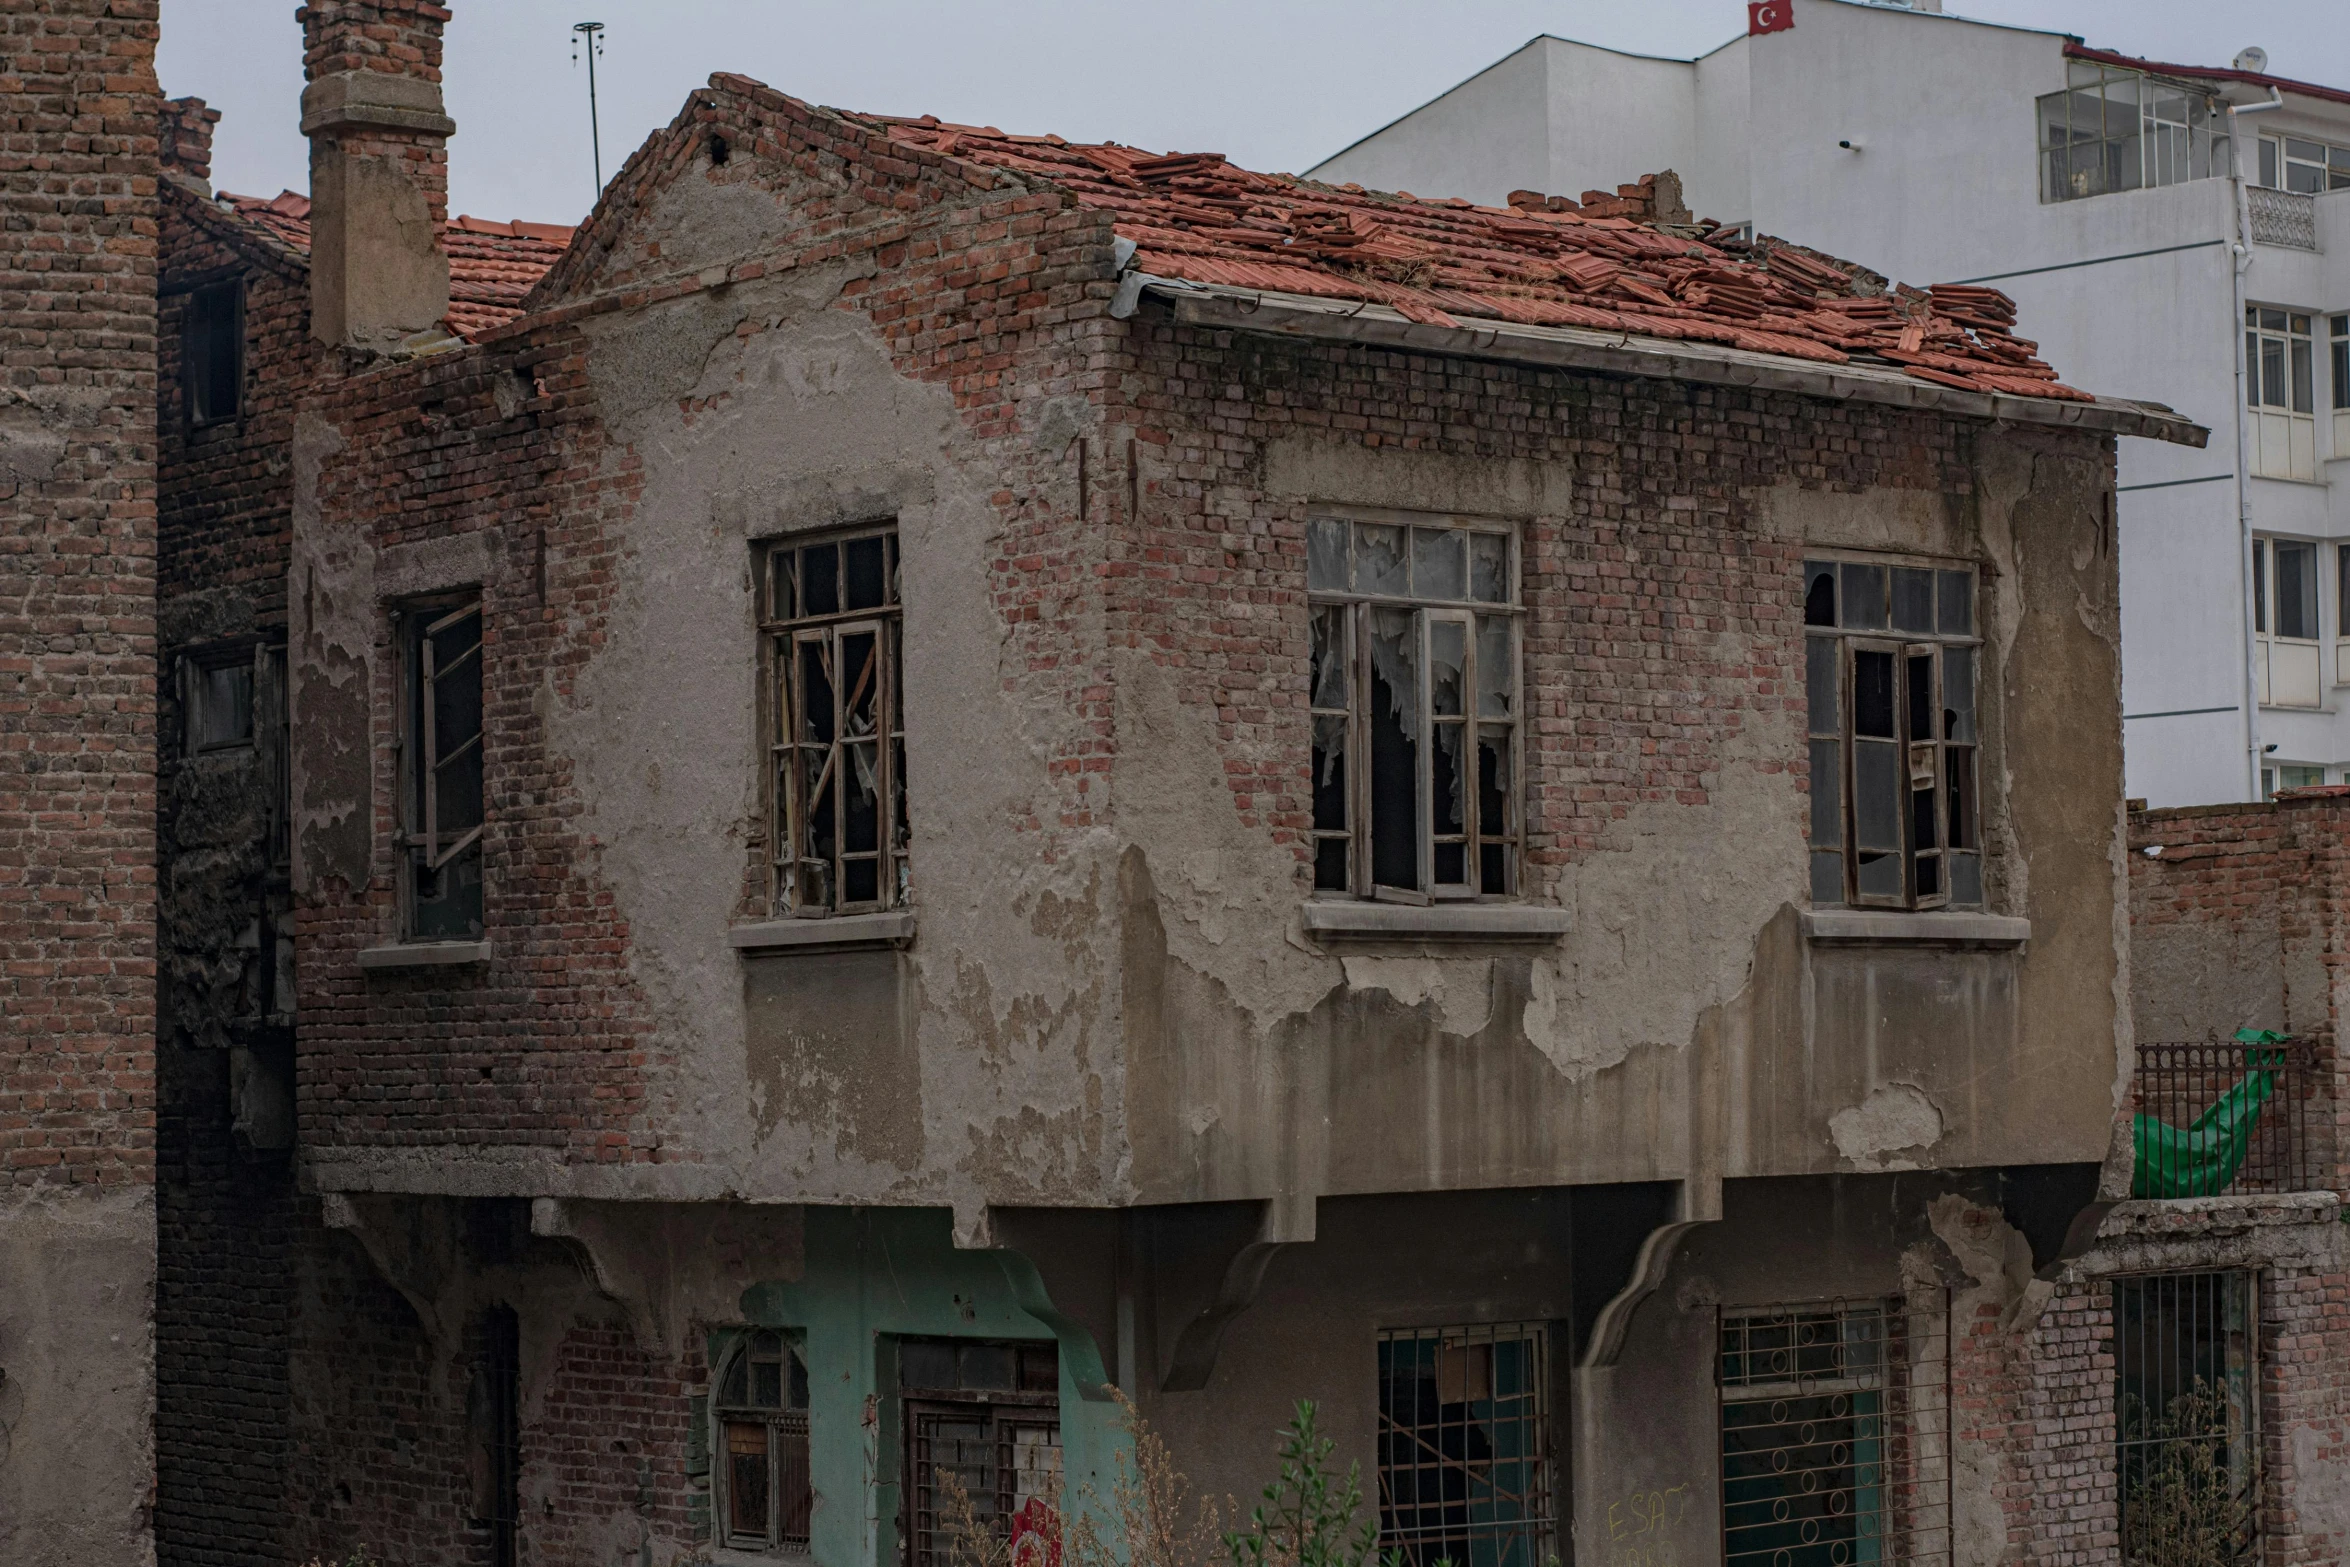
x=593 y=32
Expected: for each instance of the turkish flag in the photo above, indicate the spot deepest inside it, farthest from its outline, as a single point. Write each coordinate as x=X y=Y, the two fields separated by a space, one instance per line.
x=1769 y=16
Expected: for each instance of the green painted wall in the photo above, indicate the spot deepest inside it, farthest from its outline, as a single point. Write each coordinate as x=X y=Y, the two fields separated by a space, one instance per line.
x=873 y=1274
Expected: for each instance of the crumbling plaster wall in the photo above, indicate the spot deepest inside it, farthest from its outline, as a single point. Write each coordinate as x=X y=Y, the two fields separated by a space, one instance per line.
x=1681 y=1021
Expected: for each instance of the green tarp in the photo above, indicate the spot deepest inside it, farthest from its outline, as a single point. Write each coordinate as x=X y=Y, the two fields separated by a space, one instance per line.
x=2201 y=1159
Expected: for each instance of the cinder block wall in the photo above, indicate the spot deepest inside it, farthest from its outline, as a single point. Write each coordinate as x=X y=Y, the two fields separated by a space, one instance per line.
x=77 y=764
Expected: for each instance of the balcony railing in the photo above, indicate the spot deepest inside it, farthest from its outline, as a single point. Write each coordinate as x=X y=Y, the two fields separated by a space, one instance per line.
x=2283 y=217
x=2221 y=1119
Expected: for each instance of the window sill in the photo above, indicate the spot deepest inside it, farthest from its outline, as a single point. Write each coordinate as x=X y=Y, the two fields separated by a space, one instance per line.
x=1355 y=920
x=1899 y=928
x=892 y=929
x=425 y=954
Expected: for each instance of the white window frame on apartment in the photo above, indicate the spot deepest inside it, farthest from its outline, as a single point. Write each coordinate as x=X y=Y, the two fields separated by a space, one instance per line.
x=2303 y=165
x=2280 y=391
x=2338 y=375
x=2114 y=130
x=2287 y=666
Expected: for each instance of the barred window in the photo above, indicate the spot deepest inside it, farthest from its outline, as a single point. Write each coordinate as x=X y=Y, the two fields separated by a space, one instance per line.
x=1415 y=708
x=441 y=766
x=1464 y=1445
x=1891 y=662
x=2187 y=1416
x=1835 y=1421
x=982 y=1427
x=831 y=624
x=765 y=1495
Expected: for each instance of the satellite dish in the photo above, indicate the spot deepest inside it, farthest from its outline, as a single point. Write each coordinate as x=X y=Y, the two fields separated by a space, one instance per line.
x=2254 y=60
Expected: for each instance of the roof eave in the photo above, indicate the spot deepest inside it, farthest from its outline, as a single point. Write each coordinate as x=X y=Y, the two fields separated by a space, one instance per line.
x=1574 y=348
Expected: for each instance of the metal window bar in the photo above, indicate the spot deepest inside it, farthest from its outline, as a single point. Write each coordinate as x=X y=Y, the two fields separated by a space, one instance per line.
x=1001 y=1459
x=1835 y=1434
x=1464 y=1445
x=2238 y=1116
x=2187 y=1418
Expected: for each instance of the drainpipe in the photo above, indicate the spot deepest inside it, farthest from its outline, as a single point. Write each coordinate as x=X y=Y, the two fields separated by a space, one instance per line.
x=2241 y=261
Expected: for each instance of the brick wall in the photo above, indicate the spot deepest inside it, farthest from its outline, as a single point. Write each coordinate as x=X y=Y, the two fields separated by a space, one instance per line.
x=228 y=1218
x=77 y=655
x=395 y=38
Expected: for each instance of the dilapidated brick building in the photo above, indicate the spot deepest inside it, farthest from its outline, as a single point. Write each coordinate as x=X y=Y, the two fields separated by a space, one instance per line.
x=924 y=773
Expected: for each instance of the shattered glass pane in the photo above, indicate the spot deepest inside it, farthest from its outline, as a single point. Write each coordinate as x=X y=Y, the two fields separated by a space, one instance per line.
x=1440 y=567
x=862 y=826
x=860 y=665
x=1329 y=675
x=1395 y=748
x=1450 y=777
x=1448 y=657
x=1330 y=772
x=1879 y=875
x=1380 y=563
x=816 y=715
x=1496 y=670
x=1326 y=555
x=1819 y=593
x=1958 y=695
x=1489 y=568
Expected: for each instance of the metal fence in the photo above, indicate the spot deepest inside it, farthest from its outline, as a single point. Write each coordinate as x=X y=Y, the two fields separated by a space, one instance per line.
x=1836 y=1434
x=2224 y=1117
x=2187 y=1418
x=2282 y=217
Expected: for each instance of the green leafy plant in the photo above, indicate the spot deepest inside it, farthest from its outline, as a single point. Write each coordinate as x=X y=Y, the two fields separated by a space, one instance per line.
x=1308 y=1517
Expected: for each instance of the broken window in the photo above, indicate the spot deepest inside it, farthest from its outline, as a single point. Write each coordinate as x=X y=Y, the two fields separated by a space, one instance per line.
x=1835 y=1434
x=212 y=354
x=2287 y=664
x=217 y=697
x=2187 y=1417
x=837 y=743
x=441 y=766
x=2280 y=390
x=493 y=1408
x=764 y=1494
x=1464 y=1445
x=2115 y=130
x=982 y=1419
x=1415 y=708
x=1891 y=665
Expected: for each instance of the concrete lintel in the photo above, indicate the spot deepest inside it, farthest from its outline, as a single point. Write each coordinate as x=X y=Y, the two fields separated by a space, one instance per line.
x=1898 y=927
x=374 y=98
x=1341 y=920
x=892 y=929
x=425 y=954
x=1615 y=353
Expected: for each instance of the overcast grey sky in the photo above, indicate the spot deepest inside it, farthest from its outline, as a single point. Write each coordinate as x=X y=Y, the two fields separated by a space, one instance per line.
x=1274 y=84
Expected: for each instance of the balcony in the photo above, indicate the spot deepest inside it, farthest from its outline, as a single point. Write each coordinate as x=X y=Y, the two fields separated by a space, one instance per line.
x=2283 y=218
x=2228 y=1118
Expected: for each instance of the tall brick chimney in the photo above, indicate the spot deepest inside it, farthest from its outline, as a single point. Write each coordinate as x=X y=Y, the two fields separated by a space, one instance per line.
x=379 y=171
x=184 y=141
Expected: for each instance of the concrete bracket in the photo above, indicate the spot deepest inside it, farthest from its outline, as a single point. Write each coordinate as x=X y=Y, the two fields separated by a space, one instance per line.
x=975 y=1227
x=1287 y=1220
x=624 y=1270
x=404 y=1253
x=1699 y=1202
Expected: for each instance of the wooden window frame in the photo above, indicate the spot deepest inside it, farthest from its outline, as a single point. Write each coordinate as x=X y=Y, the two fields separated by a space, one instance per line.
x=429 y=847
x=783 y=1426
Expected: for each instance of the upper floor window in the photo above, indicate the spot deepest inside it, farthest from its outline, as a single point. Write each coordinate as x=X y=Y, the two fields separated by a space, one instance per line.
x=2310 y=167
x=831 y=624
x=2115 y=130
x=2338 y=361
x=2280 y=387
x=2285 y=622
x=441 y=784
x=764 y=1493
x=1891 y=659
x=212 y=354
x=1415 y=708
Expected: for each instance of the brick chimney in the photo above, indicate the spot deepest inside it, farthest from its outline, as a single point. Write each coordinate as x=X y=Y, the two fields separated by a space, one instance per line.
x=379 y=172
x=184 y=141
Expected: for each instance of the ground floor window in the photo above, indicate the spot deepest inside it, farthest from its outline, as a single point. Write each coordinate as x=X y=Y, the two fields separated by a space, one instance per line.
x=983 y=1447
x=765 y=1496
x=1835 y=1434
x=2187 y=1418
x=1464 y=1445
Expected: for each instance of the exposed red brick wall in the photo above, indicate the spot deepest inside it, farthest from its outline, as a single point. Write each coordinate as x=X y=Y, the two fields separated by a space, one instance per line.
x=2037 y=1397
x=395 y=37
x=606 y=1444
x=2305 y=1412
x=79 y=107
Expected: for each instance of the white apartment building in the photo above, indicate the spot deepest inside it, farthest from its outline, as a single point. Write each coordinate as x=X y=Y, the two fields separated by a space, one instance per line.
x=2180 y=233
